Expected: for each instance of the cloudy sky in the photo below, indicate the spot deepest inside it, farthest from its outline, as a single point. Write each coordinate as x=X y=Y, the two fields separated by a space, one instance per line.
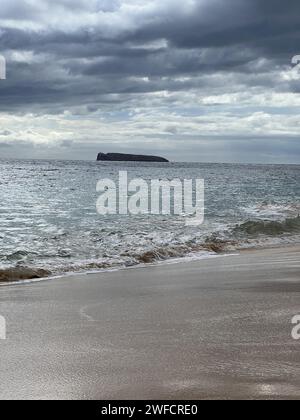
x=193 y=80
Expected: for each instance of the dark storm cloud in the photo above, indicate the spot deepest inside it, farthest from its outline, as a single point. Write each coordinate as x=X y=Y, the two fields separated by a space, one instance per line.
x=221 y=60
x=252 y=23
x=212 y=36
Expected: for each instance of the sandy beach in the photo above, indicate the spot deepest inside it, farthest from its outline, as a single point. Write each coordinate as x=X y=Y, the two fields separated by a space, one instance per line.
x=219 y=328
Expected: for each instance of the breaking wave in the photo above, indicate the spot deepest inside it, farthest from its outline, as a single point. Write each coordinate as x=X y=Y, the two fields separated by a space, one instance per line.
x=269 y=228
x=252 y=233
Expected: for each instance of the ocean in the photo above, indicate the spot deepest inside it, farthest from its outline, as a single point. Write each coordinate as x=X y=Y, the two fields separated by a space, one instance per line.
x=49 y=224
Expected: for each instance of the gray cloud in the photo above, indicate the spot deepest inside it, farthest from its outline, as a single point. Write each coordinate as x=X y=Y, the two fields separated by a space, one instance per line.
x=104 y=62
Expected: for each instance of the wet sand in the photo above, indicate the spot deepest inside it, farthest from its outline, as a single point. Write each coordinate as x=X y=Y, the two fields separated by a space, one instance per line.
x=217 y=328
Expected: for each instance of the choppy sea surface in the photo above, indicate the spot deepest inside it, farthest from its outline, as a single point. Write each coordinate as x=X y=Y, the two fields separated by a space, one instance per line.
x=49 y=224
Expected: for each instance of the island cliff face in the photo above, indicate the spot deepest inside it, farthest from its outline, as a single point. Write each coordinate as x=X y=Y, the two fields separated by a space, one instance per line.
x=121 y=157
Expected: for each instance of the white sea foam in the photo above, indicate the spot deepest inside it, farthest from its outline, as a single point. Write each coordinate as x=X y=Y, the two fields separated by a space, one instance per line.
x=273 y=211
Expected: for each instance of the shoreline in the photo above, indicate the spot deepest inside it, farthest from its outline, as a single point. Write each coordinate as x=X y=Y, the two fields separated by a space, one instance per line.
x=170 y=261
x=211 y=329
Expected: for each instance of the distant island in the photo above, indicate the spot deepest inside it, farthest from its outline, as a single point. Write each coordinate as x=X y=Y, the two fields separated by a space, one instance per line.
x=121 y=157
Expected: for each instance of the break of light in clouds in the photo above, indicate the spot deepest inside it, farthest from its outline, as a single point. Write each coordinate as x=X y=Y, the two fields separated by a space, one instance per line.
x=200 y=80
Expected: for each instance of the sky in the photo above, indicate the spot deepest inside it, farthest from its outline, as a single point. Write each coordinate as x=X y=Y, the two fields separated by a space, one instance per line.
x=193 y=80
